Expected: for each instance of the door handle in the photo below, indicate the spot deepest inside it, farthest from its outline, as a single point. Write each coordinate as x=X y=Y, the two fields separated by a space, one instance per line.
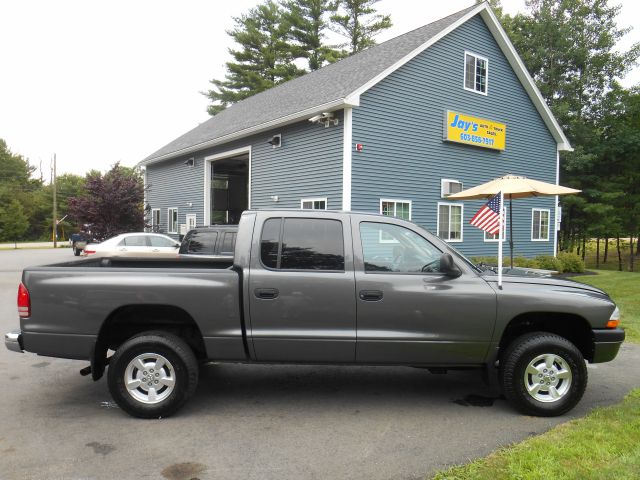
x=370 y=295
x=266 y=293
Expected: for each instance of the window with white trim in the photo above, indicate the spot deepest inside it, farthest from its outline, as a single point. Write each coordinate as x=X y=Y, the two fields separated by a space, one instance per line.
x=172 y=220
x=450 y=221
x=476 y=72
x=540 y=224
x=396 y=208
x=155 y=219
x=313 y=203
x=448 y=186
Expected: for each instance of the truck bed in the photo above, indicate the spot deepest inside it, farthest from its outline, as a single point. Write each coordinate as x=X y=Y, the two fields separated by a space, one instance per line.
x=72 y=301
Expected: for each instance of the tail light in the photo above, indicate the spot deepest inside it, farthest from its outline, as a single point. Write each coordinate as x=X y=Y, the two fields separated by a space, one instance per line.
x=88 y=252
x=24 y=301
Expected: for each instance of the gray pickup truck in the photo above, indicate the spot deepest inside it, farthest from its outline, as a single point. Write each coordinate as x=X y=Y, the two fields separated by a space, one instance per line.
x=318 y=288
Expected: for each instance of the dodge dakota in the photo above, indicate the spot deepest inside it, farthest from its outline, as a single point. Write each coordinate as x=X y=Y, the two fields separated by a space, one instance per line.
x=317 y=288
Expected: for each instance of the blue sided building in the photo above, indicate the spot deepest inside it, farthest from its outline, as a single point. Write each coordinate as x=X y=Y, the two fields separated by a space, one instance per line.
x=394 y=129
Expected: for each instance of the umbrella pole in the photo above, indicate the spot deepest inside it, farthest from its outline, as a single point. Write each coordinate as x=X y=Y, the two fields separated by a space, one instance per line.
x=500 y=239
x=511 y=227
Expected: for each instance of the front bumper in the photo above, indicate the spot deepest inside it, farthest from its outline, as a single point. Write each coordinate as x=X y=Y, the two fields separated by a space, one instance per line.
x=13 y=341
x=606 y=344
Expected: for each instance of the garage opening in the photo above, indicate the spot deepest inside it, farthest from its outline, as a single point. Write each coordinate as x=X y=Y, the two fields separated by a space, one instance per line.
x=229 y=189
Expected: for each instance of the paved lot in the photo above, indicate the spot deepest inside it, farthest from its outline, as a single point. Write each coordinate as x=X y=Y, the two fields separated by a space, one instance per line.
x=259 y=422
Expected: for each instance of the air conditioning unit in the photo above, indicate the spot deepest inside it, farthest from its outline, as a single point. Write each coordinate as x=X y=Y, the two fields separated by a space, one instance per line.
x=449 y=187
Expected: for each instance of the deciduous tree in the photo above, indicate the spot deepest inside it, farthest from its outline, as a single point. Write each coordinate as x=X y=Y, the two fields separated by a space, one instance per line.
x=570 y=48
x=112 y=203
x=13 y=222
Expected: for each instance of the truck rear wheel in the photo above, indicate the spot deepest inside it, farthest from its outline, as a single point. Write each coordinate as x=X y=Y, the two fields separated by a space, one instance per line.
x=153 y=374
x=76 y=251
x=543 y=374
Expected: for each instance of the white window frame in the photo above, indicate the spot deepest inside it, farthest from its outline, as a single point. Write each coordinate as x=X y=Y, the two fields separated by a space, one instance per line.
x=533 y=210
x=169 y=220
x=153 y=217
x=312 y=200
x=190 y=216
x=448 y=180
x=395 y=202
x=207 y=177
x=450 y=204
x=464 y=77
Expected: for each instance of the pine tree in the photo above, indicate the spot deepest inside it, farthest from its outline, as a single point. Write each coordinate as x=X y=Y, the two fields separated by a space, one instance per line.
x=358 y=21
x=263 y=60
x=309 y=20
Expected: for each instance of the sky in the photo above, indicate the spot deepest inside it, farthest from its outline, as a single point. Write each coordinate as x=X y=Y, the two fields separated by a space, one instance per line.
x=97 y=82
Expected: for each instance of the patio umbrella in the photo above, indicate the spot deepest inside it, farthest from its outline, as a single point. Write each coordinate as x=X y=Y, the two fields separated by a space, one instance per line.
x=513 y=186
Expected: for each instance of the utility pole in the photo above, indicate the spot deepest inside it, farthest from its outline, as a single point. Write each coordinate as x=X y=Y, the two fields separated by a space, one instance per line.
x=55 y=206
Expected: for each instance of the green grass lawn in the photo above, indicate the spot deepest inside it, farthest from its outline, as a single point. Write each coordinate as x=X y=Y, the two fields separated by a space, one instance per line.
x=624 y=289
x=603 y=445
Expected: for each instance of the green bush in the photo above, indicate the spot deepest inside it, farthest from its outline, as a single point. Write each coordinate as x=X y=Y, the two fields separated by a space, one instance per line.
x=522 y=262
x=517 y=261
x=571 y=262
x=485 y=260
x=549 y=262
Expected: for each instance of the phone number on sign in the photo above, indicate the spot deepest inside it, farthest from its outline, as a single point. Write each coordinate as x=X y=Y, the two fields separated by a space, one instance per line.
x=466 y=137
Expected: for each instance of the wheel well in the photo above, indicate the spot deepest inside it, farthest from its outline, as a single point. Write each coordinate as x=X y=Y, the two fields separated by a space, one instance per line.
x=128 y=321
x=572 y=327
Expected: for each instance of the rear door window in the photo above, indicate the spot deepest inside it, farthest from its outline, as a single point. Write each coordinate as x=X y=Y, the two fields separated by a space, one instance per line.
x=228 y=243
x=303 y=244
x=136 y=241
x=202 y=243
x=161 y=242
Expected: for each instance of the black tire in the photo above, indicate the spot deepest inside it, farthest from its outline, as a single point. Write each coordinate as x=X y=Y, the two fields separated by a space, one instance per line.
x=181 y=366
x=526 y=352
x=76 y=252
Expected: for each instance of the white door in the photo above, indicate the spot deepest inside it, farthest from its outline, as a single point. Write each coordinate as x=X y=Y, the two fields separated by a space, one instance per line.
x=191 y=221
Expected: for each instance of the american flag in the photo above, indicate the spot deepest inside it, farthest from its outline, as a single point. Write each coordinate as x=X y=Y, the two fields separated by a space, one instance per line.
x=488 y=217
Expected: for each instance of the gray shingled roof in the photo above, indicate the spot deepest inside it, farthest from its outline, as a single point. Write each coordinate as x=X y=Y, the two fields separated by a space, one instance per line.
x=331 y=83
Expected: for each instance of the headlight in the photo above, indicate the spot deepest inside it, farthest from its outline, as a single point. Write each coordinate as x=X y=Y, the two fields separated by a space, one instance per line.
x=614 y=319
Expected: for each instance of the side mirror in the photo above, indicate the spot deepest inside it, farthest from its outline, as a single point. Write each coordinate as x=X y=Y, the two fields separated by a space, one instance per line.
x=447 y=267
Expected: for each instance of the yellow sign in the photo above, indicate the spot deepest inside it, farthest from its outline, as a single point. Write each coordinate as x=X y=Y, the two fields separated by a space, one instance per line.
x=475 y=131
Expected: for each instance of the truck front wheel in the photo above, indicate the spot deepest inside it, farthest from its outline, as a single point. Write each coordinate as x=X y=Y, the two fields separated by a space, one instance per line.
x=153 y=374
x=543 y=374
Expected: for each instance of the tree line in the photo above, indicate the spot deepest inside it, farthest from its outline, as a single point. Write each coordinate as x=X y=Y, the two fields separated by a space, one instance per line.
x=104 y=203
x=570 y=48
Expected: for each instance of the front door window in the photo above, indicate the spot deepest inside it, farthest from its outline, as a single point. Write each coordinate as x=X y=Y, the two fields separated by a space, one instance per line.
x=392 y=248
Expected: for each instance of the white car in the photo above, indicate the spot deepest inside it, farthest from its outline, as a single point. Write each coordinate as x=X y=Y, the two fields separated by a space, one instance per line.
x=135 y=245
